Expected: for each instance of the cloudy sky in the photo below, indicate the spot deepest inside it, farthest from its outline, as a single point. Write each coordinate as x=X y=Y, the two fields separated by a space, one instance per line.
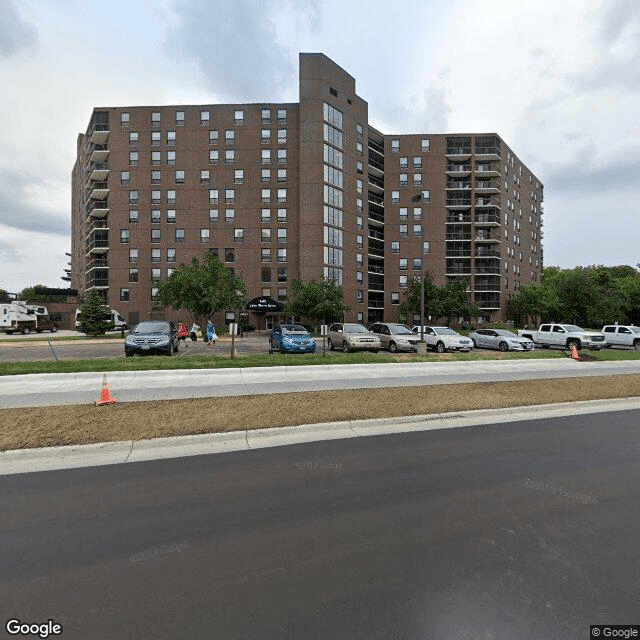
x=559 y=81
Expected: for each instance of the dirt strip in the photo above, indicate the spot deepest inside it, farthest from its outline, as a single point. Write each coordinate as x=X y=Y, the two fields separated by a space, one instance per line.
x=84 y=424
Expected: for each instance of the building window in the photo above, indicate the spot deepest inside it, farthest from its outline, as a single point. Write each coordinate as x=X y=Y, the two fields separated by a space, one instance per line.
x=171 y=255
x=133 y=274
x=426 y=247
x=395 y=146
x=171 y=138
x=282 y=156
x=238 y=235
x=229 y=196
x=359 y=167
x=359 y=277
x=417 y=213
x=156 y=255
x=155 y=138
x=426 y=195
x=213 y=136
x=213 y=156
x=266 y=215
x=404 y=162
x=395 y=297
x=403 y=281
x=265 y=116
x=133 y=215
x=229 y=156
x=213 y=216
x=266 y=291
x=359 y=148
x=359 y=259
x=426 y=145
x=404 y=215
x=265 y=255
x=417 y=229
x=180 y=118
x=180 y=176
x=124 y=236
x=133 y=196
x=266 y=195
x=156 y=177
x=238 y=176
x=359 y=222
x=154 y=294
x=417 y=264
x=360 y=241
x=359 y=205
x=417 y=162
x=266 y=175
x=229 y=136
x=282 y=293
x=395 y=197
x=133 y=137
x=417 y=178
x=282 y=255
x=359 y=130
x=282 y=274
x=204 y=236
x=282 y=195
x=213 y=196
x=229 y=215
x=155 y=215
x=155 y=236
x=229 y=255
x=282 y=175
x=282 y=116
x=402 y=264
x=266 y=274
x=404 y=179
x=282 y=215
x=155 y=274
x=124 y=294
x=404 y=230
x=171 y=196
x=204 y=176
x=133 y=255
x=266 y=156
x=124 y=177
x=265 y=234
x=282 y=235
x=133 y=158
x=205 y=116
x=155 y=117
x=282 y=136
x=179 y=235
x=238 y=116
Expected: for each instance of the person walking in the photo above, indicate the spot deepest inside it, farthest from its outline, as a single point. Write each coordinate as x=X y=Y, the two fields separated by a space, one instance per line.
x=211 y=333
x=193 y=332
x=183 y=333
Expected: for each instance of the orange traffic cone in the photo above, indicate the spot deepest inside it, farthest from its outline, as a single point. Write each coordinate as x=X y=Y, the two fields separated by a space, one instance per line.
x=574 y=352
x=105 y=396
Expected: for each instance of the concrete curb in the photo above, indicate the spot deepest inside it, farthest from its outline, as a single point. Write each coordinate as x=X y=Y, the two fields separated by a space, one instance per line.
x=70 y=457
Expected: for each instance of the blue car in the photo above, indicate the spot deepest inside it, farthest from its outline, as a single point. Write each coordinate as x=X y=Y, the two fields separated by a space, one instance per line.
x=291 y=338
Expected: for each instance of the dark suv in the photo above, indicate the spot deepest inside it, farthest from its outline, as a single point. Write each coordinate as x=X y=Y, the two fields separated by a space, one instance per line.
x=152 y=336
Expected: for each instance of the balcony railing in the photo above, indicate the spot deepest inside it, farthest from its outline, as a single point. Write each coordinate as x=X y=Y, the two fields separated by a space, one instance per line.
x=487 y=254
x=458 y=236
x=487 y=218
x=458 y=151
x=459 y=217
x=459 y=168
x=458 y=202
x=458 y=184
x=487 y=151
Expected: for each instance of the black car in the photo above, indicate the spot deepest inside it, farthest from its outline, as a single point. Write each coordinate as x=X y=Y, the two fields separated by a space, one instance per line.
x=152 y=336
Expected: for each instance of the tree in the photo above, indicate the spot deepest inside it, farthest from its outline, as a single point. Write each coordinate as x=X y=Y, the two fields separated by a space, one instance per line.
x=203 y=288
x=94 y=319
x=4 y=296
x=535 y=301
x=317 y=301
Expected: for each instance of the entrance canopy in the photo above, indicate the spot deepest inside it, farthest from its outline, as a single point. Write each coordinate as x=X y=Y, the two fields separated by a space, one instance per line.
x=264 y=304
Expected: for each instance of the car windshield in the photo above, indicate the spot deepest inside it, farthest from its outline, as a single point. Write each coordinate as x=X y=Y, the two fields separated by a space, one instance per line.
x=401 y=330
x=293 y=328
x=504 y=332
x=355 y=328
x=572 y=328
x=152 y=327
x=445 y=331
x=635 y=329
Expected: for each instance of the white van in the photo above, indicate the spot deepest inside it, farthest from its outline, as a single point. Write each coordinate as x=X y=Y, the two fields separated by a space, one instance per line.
x=117 y=322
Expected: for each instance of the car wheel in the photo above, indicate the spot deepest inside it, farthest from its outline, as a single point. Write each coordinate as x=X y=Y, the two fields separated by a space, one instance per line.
x=393 y=347
x=345 y=347
x=503 y=346
x=636 y=345
x=440 y=348
x=177 y=347
x=330 y=344
x=26 y=331
x=474 y=343
x=54 y=328
x=573 y=343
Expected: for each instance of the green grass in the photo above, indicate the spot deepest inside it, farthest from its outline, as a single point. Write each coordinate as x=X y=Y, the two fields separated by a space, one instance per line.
x=612 y=354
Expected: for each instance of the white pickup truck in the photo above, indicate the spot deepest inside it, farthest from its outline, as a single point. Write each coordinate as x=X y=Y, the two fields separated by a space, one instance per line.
x=565 y=336
x=624 y=335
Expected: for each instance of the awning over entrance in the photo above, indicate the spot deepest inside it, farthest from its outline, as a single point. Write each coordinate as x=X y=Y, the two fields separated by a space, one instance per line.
x=264 y=304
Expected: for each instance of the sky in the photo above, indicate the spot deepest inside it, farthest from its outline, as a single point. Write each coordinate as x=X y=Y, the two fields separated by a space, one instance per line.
x=558 y=81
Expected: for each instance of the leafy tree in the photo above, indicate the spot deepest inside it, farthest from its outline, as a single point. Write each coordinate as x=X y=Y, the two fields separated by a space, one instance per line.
x=535 y=301
x=28 y=293
x=317 y=301
x=4 y=296
x=202 y=288
x=94 y=318
x=447 y=301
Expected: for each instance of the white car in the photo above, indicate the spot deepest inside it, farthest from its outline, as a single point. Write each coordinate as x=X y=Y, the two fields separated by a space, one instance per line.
x=623 y=335
x=500 y=339
x=443 y=339
x=350 y=336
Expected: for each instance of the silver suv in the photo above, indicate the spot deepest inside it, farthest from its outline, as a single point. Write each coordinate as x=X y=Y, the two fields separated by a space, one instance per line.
x=395 y=336
x=352 y=337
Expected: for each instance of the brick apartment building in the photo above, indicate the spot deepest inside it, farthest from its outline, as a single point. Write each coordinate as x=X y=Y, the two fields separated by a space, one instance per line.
x=299 y=190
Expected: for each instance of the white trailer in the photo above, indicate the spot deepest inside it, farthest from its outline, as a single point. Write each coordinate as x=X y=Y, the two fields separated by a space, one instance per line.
x=25 y=318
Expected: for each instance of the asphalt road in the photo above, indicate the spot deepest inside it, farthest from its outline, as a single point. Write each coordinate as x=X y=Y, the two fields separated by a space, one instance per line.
x=527 y=530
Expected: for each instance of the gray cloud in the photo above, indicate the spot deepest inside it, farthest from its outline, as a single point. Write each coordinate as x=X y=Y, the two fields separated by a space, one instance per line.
x=235 y=43
x=17 y=209
x=15 y=33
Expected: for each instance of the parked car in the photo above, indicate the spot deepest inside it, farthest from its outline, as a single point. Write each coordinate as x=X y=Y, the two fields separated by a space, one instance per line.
x=152 y=336
x=352 y=337
x=565 y=336
x=623 y=335
x=443 y=339
x=395 y=336
x=500 y=339
x=291 y=338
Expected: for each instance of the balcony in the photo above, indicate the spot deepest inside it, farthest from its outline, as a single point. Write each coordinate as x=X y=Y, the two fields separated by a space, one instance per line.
x=374 y=233
x=489 y=219
x=97 y=209
x=99 y=134
x=487 y=170
x=99 y=171
x=458 y=271
x=374 y=163
x=458 y=252
x=458 y=203
x=97 y=242
x=99 y=154
x=376 y=183
x=458 y=152
x=99 y=279
x=372 y=268
x=457 y=236
x=487 y=186
x=459 y=217
x=99 y=191
x=97 y=264
x=488 y=238
x=486 y=253
x=495 y=287
x=458 y=170
x=458 y=184
x=489 y=152
x=488 y=304
x=484 y=201
x=375 y=199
